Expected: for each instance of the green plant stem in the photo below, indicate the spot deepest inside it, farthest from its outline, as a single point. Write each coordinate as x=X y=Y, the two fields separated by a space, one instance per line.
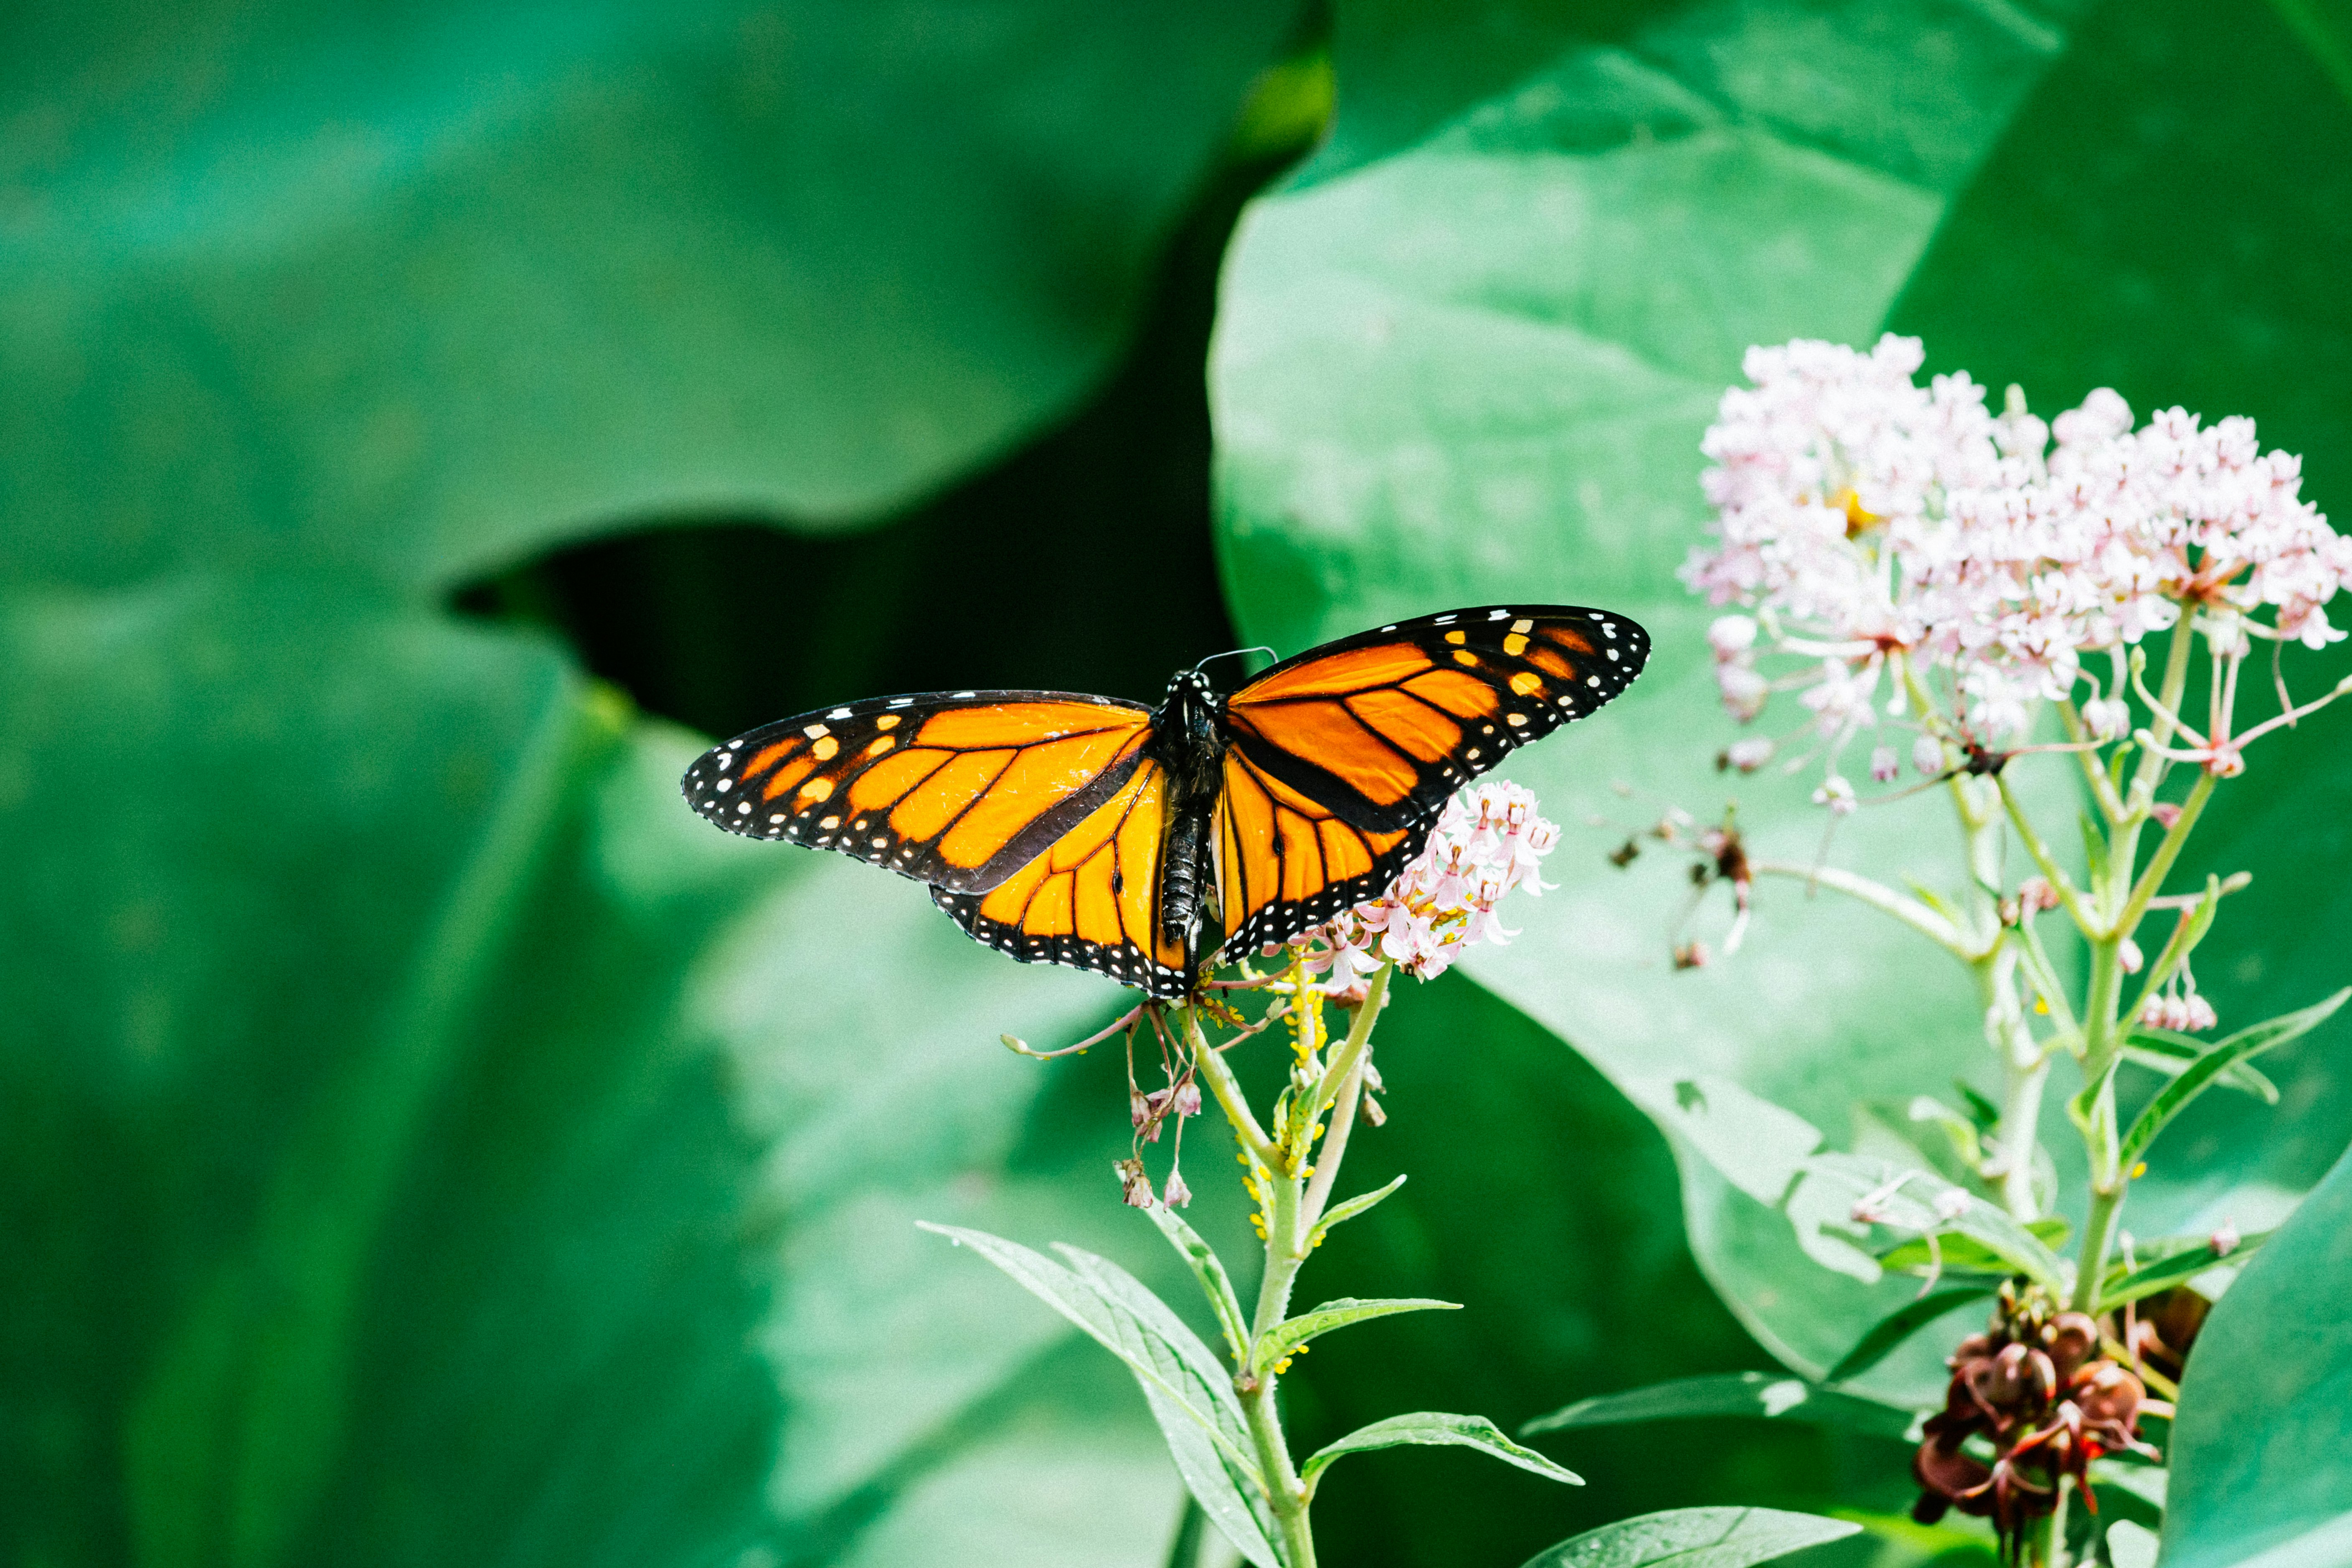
x=1879 y=896
x=1286 y=1249
x=1211 y=1064
x=2068 y=895
x=2025 y=1069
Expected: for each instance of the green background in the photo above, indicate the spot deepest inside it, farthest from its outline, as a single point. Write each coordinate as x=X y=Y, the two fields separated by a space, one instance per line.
x=422 y=1141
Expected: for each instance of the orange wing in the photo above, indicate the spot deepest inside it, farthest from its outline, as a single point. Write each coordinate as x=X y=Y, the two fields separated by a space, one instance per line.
x=1339 y=761
x=957 y=789
x=1286 y=863
x=1092 y=899
x=1381 y=727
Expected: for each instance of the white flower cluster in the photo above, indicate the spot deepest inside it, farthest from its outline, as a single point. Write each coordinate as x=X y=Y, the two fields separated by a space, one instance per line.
x=1487 y=841
x=1865 y=519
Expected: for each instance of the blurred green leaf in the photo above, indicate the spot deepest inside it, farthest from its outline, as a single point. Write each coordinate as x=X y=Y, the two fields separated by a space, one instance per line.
x=2178 y=1269
x=1900 y=1325
x=424 y=1142
x=1760 y=1394
x=2162 y=1050
x=1433 y=1429
x=1696 y=1538
x=1477 y=370
x=1209 y=1270
x=2194 y=1078
x=2257 y=1451
x=423 y=289
x=1956 y=1251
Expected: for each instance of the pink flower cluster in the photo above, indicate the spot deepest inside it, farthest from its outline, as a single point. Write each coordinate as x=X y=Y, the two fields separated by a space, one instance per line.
x=1901 y=539
x=1487 y=841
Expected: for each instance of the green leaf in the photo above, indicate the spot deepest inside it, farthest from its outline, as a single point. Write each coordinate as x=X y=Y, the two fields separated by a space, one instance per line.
x=421 y=290
x=2228 y=1053
x=1929 y=1204
x=1337 y=1214
x=2169 y=1053
x=428 y=1143
x=1696 y=1538
x=1964 y=1254
x=1900 y=1325
x=1210 y=1270
x=1432 y=1429
x=2175 y=1268
x=1191 y=1395
x=2265 y=1410
x=1292 y=1332
x=1752 y=1393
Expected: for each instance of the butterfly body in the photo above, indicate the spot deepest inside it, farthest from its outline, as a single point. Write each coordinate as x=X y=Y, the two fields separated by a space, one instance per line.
x=1141 y=842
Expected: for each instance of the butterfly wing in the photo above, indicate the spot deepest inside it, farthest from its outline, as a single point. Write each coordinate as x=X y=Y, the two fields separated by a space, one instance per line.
x=1381 y=727
x=1339 y=761
x=957 y=789
x=1091 y=899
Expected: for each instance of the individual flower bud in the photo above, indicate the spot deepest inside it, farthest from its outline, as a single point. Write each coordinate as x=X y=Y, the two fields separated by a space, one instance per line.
x=1927 y=756
x=2108 y=717
x=1743 y=690
x=2036 y=893
x=1951 y=1204
x=2197 y=1014
x=1135 y=1187
x=2166 y=813
x=2226 y=1239
x=1176 y=1195
x=2129 y=954
x=1837 y=793
x=1731 y=636
x=1747 y=753
x=1139 y=1107
x=1187 y=1100
x=1884 y=767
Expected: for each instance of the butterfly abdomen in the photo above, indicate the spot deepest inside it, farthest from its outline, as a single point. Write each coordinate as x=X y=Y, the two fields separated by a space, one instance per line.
x=1189 y=748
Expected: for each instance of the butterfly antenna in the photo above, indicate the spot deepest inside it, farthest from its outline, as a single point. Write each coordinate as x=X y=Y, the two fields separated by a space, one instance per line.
x=1236 y=653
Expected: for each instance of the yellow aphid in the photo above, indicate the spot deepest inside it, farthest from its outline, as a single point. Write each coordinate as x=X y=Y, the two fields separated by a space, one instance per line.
x=2139 y=1169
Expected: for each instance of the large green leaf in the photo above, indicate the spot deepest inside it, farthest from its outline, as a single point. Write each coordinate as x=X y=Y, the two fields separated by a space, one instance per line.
x=421 y=289
x=2257 y=1455
x=1696 y=1538
x=1477 y=370
x=428 y=1143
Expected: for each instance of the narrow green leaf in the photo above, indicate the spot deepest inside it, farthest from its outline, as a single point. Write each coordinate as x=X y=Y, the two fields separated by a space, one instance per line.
x=1763 y=1394
x=1355 y=1205
x=1927 y=1205
x=1959 y=1253
x=2175 y=1268
x=2163 y=1051
x=2247 y=1042
x=1210 y=1270
x=1190 y=1394
x=1695 y=1538
x=1292 y=1332
x=2094 y=848
x=1433 y=1429
x=1900 y=1325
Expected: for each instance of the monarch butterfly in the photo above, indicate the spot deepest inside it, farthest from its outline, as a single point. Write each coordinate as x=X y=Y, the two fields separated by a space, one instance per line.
x=1101 y=833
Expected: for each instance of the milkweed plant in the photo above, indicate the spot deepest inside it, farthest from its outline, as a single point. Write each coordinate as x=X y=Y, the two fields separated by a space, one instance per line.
x=1927 y=597
x=1323 y=991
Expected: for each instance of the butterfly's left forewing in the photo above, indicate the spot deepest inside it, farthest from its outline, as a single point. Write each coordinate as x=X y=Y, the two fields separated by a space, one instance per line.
x=957 y=789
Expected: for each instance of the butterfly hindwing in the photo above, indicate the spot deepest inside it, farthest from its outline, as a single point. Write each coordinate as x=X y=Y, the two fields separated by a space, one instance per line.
x=1287 y=863
x=1381 y=727
x=1092 y=899
x=961 y=790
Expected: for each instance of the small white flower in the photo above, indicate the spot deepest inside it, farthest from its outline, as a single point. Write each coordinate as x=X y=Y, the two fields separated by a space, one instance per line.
x=1488 y=840
x=1928 y=755
x=1743 y=690
x=1837 y=793
x=1731 y=636
x=1749 y=752
x=1884 y=767
x=2108 y=717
